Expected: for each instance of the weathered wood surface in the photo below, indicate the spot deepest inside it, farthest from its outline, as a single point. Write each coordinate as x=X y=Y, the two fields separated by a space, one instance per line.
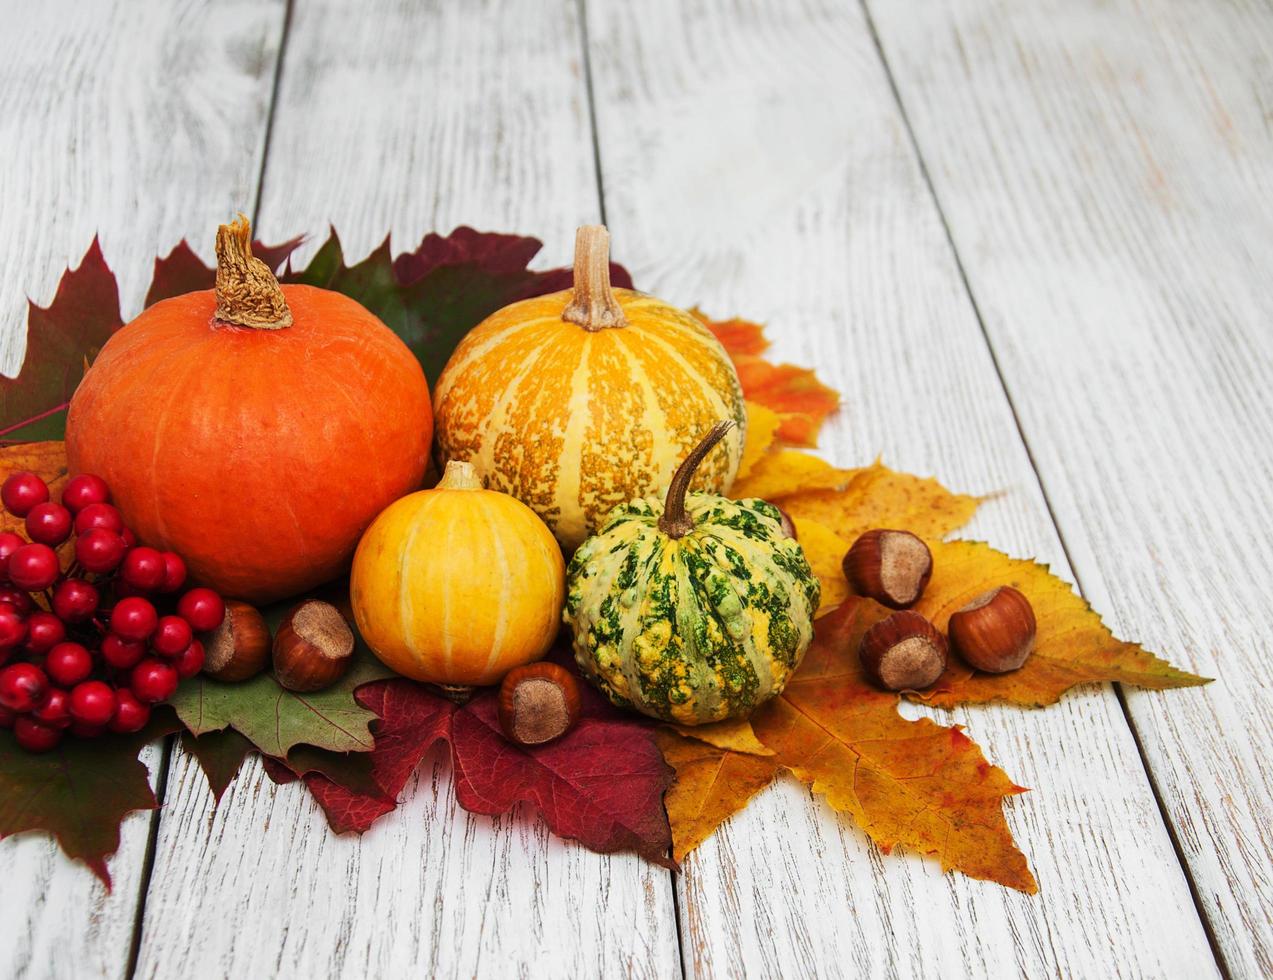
x=1107 y=172
x=415 y=118
x=754 y=161
x=143 y=121
x=1102 y=177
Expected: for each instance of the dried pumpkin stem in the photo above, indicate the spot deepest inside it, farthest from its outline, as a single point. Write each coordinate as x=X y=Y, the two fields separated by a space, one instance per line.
x=459 y=475
x=676 y=522
x=593 y=306
x=248 y=295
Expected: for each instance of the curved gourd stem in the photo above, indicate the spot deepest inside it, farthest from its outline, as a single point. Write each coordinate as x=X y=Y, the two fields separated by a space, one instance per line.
x=676 y=522
x=247 y=293
x=593 y=306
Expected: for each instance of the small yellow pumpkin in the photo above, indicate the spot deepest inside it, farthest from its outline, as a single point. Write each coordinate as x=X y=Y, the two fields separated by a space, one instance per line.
x=584 y=399
x=457 y=585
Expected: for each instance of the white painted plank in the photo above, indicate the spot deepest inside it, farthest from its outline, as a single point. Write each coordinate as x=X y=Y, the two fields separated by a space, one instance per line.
x=1107 y=171
x=754 y=161
x=415 y=118
x=142 y=121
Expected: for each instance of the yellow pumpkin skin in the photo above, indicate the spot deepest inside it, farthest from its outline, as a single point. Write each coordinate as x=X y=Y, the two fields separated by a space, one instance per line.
x=575 y=421
x=457 y=585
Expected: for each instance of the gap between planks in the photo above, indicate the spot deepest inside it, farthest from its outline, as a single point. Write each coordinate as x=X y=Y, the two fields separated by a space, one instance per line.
x=922 y=162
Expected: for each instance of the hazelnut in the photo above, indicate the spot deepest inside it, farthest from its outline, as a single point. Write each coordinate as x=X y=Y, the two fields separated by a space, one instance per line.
x=538 y=703
x=904 y=652
x=240 y=647
x=313 y=648
x=995 y=632
x=891 y=567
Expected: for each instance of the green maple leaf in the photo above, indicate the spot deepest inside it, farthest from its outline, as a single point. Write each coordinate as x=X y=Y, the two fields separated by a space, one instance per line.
x=276 y=720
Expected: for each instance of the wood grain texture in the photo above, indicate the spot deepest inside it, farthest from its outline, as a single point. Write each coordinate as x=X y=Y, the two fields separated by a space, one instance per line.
x=755 y=162
x=1107 y=172
x=144 y=121
x=414 y=117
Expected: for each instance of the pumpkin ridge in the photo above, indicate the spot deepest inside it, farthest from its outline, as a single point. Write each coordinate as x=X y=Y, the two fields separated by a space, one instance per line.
x=179 y=393
x=472 y=349
x=501 y=619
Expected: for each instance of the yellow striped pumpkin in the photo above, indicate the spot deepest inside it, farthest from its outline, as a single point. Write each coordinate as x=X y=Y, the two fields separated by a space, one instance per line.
x=457 y=585
x=582 y=400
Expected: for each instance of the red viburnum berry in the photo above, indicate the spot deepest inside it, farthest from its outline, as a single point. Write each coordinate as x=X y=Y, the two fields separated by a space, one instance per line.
x=21 y=491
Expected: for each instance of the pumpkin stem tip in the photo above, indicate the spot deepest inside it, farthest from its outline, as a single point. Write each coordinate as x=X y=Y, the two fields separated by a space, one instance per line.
x=247 y=293
x=459 y=475
x=676 y=521
x=594 y=305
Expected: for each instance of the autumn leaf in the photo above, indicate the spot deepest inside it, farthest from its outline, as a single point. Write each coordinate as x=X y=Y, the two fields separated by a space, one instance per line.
x=1073 y=645
x=795 y=393
x=734 y=734
x=914 y=783
x=46 y=459
x=431 y=297
x=824 y=550
x=736 y=336
x=276 y=720
x=762 y=427
x=79 y=792
x=220 y=755
x=877 y=496
x=780 y=473
x=712 y=784
x=601 y=784
x=62 y=338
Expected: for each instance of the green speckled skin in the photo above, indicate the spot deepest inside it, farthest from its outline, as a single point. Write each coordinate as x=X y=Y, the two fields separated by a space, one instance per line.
x=697 y=629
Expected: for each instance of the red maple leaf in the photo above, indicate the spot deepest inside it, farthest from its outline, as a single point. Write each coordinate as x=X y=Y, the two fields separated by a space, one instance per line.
x=602 y=784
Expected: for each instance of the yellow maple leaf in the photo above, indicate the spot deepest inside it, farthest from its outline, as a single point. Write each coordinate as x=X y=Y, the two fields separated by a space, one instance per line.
x=781 y=472
x=877 y=496
x=1072 y=647
x=762 y=426
x=734 y=735
x=712 y=784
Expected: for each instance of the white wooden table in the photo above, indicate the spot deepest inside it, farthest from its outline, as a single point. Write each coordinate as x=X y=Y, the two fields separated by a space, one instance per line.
x=1031 y=243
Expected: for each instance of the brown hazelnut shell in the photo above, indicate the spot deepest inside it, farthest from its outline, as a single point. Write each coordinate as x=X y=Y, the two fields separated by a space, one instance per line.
x=891 y=567
x=313 y=648
x=904 y=652
x=538 y=703
x=995 y=632
x=239 y=648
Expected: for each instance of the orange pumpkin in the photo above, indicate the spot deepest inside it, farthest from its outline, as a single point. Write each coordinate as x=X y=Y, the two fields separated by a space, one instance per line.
x=255 y=429
x=582 y=400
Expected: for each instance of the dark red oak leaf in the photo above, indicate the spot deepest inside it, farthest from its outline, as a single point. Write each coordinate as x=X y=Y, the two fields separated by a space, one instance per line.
x=62 y=338
x=602 y=784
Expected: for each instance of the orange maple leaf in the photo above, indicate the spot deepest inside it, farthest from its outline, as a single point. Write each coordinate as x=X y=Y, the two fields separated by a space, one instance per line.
x=801 y=401
x=914 y=783
x=736 y=336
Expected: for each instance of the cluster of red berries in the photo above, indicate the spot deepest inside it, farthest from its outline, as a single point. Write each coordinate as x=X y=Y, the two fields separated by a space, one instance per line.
x=100 y=652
